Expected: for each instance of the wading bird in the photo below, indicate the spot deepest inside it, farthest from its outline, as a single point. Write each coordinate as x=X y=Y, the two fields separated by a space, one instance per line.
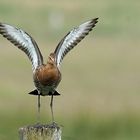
x=47 y=76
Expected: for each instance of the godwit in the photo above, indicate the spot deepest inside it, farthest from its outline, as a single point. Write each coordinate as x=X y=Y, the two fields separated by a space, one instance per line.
x=47 y=76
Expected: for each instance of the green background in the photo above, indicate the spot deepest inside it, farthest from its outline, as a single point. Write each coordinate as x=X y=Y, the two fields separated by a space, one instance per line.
x=100 y=92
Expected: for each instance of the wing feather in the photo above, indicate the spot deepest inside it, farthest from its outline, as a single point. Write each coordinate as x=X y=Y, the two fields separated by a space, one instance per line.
x=24 y=42
x=72 y=39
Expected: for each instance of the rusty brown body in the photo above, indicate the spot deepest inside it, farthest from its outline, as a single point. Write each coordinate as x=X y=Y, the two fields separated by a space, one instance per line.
x=47 y=77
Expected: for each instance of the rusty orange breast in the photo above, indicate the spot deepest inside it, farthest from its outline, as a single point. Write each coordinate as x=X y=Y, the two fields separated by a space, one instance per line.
x=47 y=75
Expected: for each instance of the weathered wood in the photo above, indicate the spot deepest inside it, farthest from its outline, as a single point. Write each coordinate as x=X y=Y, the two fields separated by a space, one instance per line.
x=40 y=132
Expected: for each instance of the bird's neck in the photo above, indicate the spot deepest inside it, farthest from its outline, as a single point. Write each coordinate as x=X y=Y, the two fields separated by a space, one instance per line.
x=51 y=64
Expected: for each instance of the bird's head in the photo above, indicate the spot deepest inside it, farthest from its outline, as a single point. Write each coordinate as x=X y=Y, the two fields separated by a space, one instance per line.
x=51 y=59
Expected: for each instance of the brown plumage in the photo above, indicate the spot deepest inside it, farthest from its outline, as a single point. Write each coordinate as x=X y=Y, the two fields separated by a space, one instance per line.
x=47 y=75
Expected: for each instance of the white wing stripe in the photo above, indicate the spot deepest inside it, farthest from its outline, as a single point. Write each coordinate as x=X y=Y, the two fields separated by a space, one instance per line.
x=24 y=42
x=72 y=39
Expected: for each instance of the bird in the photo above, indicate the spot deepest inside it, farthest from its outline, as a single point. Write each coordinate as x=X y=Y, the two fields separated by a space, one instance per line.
x=46 y=76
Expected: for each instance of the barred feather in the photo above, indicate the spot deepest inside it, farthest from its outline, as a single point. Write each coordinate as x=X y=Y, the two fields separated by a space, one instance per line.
x=24 y=42
x=72 y=39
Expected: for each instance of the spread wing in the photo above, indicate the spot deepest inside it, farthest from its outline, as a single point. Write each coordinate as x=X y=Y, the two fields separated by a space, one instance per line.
x=24 y=42
x=72 y=39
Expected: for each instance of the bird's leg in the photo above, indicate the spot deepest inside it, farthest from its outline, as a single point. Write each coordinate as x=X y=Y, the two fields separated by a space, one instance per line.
x=51 y=105
x=39 y=104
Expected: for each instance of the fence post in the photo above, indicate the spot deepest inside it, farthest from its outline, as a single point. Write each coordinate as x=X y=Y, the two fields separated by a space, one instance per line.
x=40 y=132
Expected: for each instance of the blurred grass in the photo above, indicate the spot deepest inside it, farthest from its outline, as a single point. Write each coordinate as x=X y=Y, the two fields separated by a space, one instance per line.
x=100 y=85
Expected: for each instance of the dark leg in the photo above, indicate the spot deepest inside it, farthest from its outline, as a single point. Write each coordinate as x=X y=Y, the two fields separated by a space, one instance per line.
x=51 y=105
x=38 y=117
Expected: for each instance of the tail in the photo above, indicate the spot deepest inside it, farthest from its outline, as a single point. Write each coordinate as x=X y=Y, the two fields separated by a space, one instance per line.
x=35 y=92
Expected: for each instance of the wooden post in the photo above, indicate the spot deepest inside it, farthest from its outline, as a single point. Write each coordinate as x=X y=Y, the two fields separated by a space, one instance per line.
x=40 y=132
